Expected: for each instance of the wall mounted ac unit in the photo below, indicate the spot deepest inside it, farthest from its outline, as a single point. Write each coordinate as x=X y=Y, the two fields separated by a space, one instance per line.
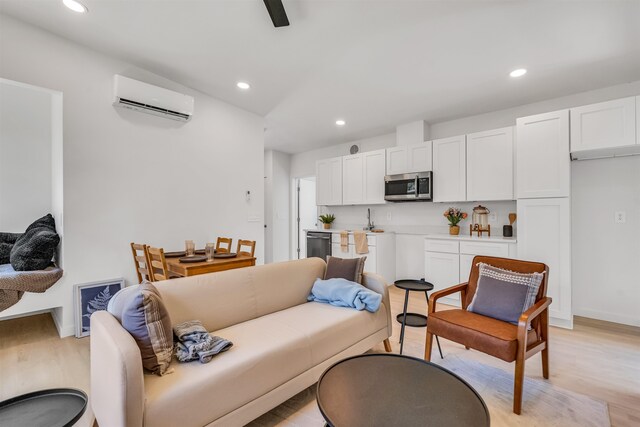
x=150 y=99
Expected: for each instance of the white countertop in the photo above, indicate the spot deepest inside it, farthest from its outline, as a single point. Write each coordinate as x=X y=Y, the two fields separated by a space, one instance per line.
x=338 y=231
x=474 y=238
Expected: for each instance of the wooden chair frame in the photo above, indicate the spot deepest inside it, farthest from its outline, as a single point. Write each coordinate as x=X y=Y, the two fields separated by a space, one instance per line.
x=223 y=241
x=539 y=313
x=157 y=261
x=249 y=243
x=142 y=272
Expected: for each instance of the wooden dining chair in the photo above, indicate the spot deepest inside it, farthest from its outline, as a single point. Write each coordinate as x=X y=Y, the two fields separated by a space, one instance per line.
x=223 y=241
x=141 y=261
x=251 y=244
x=157 y=264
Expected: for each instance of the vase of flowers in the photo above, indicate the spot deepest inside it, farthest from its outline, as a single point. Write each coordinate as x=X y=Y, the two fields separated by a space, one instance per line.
x=454 y=216
x=326 y=220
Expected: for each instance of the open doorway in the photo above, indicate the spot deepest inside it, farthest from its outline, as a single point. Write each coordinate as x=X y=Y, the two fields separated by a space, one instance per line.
x=306 y=213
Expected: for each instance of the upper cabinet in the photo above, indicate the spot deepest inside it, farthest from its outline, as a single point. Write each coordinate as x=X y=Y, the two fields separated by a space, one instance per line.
x=409 y=158
x=449 y=169
x=542 y=155
x=490 y=157
x=329 y=182
x=604 y=129
x=363 y=178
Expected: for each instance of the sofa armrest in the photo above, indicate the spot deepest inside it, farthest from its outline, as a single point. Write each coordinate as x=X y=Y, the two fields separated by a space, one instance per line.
x=376 y=283
x=117 y=382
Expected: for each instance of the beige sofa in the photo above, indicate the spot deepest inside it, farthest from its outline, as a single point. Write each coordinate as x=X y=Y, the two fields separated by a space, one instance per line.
x=282 y=344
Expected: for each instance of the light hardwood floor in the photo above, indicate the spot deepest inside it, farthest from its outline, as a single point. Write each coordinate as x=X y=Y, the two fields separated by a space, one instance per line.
x=596 y=359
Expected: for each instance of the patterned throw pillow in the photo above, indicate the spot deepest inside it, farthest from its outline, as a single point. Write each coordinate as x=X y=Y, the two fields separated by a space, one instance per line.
x=350 y=269
x=148 y=322
x=504 y=294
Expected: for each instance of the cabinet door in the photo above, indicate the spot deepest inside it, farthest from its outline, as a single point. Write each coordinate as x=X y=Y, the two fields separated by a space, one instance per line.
x=329 y=182
x=419 y=157
x=466 y=262
x=443 y=270
x=370 y=264
x=396 y=160
x=336 y=251
x=542 y=155
x=373 y=176
x=352 y=180
x=604 y=125
x=544 y=235
x=449 y=169
x=490 y=165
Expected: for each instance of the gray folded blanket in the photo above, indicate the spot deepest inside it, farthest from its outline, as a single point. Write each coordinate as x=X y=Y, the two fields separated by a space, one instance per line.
x=194 y=342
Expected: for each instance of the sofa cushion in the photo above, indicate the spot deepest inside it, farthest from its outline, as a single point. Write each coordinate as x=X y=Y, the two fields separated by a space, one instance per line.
x=34 y=250
x=268 y=352
x=349 y=269
x=482 y=333
x=148 y=322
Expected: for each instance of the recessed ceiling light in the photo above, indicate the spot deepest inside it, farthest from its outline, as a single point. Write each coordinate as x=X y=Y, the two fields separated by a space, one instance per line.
x=340 y=122
x=243 y=85
x=76 y=6
x=518 y=73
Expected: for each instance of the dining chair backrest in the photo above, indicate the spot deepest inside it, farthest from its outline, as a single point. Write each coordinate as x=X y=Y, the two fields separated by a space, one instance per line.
x=250 y=244
x=158 y=264
x=223 y=245
x=141 y=261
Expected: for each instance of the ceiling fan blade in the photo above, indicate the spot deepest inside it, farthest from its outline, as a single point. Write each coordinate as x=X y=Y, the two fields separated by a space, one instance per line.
x=277 y=13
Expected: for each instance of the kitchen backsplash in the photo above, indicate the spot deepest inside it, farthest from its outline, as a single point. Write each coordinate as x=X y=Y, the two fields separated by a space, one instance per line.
x=418 y=217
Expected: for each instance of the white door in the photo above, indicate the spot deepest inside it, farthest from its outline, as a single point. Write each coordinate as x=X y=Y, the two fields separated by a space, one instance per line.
x=443 y=270
x=420 y=157
x=352 y=180
x=449 y=169
x=490 y=158
x=542 y=153
x=604 y=125
x=544 y=235
x=307 y=212
x=396 y=160
x=373 y=176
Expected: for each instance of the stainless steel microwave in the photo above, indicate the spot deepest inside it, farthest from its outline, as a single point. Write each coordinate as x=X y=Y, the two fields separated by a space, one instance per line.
x=408 y=187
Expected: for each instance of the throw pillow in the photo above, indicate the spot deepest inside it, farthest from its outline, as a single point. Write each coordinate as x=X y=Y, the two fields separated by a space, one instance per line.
x=148 y=322
x=46 y=221
x=34 y=250
x=350 y=269
x=119 y=302
x=504 y=294
x=5 y=252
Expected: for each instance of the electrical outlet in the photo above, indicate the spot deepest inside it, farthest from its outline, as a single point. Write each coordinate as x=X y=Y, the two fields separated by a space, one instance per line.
x=621 y=217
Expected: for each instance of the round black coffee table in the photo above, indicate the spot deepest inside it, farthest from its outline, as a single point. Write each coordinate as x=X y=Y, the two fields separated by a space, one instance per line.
x=392 y=390
x=413 y=319
x=58 y=407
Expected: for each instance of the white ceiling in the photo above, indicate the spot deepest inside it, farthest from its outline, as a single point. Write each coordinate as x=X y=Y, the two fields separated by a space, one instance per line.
x=373 y=63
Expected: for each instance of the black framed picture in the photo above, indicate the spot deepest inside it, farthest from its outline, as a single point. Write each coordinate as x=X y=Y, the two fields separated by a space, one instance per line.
x=92 y=297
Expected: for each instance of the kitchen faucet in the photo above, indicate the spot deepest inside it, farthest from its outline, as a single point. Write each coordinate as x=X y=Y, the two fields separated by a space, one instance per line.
x=370 y=225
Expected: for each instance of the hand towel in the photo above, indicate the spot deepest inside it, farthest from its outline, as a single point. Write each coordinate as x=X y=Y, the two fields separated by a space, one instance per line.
x=360 y=238
x=344 y=241
x=345 y=293
x=195 y=343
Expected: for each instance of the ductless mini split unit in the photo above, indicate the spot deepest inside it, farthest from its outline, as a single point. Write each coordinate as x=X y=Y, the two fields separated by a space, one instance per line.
x=150 y=99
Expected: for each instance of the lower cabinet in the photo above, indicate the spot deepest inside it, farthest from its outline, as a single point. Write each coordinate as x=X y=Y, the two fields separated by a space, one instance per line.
x=381 y=256
x=443 y=270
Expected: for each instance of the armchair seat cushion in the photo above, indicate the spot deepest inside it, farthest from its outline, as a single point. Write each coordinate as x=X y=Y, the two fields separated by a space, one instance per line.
x=482 y=333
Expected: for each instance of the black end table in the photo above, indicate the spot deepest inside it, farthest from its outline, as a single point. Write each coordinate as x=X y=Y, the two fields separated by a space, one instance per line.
x=390 y=390
x=413 y=319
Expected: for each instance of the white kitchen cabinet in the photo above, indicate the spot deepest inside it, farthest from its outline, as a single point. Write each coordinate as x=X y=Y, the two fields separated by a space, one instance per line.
x=412 y=133
x=363 y=178
x=410 y=158
x=449 y=169
x=380 y=258
x=329 y=182
x=443 y=270
x=542 y=155
x=466 y=262
x=544 y=235
x=490 y=159
x=604 y=125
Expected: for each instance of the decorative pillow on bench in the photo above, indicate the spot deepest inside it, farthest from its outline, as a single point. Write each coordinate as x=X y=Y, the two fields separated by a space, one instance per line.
x=350 y=269
x=34 y=250
x=504 y=294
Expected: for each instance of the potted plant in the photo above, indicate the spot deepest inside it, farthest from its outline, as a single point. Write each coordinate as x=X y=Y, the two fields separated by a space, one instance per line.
x=326 y=220
x=454 y=216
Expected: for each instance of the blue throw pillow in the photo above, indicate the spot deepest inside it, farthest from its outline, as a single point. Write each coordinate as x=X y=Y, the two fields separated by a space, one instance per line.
x=504 y=294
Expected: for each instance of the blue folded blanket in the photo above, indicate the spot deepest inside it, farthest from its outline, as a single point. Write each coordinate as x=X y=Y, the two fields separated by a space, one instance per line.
x=345 y=293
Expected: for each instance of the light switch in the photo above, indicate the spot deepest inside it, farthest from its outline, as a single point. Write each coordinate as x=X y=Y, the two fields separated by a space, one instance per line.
x=621 y=217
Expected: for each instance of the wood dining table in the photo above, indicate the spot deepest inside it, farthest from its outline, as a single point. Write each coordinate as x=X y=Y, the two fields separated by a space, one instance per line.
x=185 y=269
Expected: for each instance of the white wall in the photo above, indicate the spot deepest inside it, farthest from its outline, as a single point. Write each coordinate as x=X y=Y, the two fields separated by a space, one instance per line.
x=25 y=156
x=135 y=177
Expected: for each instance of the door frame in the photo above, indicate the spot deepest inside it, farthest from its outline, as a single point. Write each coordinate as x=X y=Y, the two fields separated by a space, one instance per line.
x=296 y=233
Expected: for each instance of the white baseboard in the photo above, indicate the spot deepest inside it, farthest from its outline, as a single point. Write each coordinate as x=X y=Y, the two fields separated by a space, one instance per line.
x=561 y=323
x=608 y=317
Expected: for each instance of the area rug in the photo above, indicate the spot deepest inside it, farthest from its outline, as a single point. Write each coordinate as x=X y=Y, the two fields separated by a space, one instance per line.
x=543 y=405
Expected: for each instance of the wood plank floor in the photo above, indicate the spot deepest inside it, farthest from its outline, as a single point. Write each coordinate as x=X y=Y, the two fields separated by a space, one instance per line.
x=595 y=359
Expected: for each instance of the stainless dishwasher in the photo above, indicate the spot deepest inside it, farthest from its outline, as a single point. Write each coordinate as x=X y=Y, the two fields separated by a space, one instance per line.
x=318 y=244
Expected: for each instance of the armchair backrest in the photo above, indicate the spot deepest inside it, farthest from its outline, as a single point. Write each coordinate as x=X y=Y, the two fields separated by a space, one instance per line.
x=507 y=264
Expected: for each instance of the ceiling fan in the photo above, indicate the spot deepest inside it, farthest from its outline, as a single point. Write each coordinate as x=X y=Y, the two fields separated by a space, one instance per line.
x=277 y=13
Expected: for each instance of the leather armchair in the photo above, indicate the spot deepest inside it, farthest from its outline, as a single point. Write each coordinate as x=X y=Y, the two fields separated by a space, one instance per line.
x=491 y=336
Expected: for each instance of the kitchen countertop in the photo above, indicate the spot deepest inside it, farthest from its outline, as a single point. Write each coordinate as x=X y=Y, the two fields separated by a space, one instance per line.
x=337 y=231
x=475 y=238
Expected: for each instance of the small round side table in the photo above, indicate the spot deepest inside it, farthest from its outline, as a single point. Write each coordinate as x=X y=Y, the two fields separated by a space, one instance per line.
x=413 y=319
